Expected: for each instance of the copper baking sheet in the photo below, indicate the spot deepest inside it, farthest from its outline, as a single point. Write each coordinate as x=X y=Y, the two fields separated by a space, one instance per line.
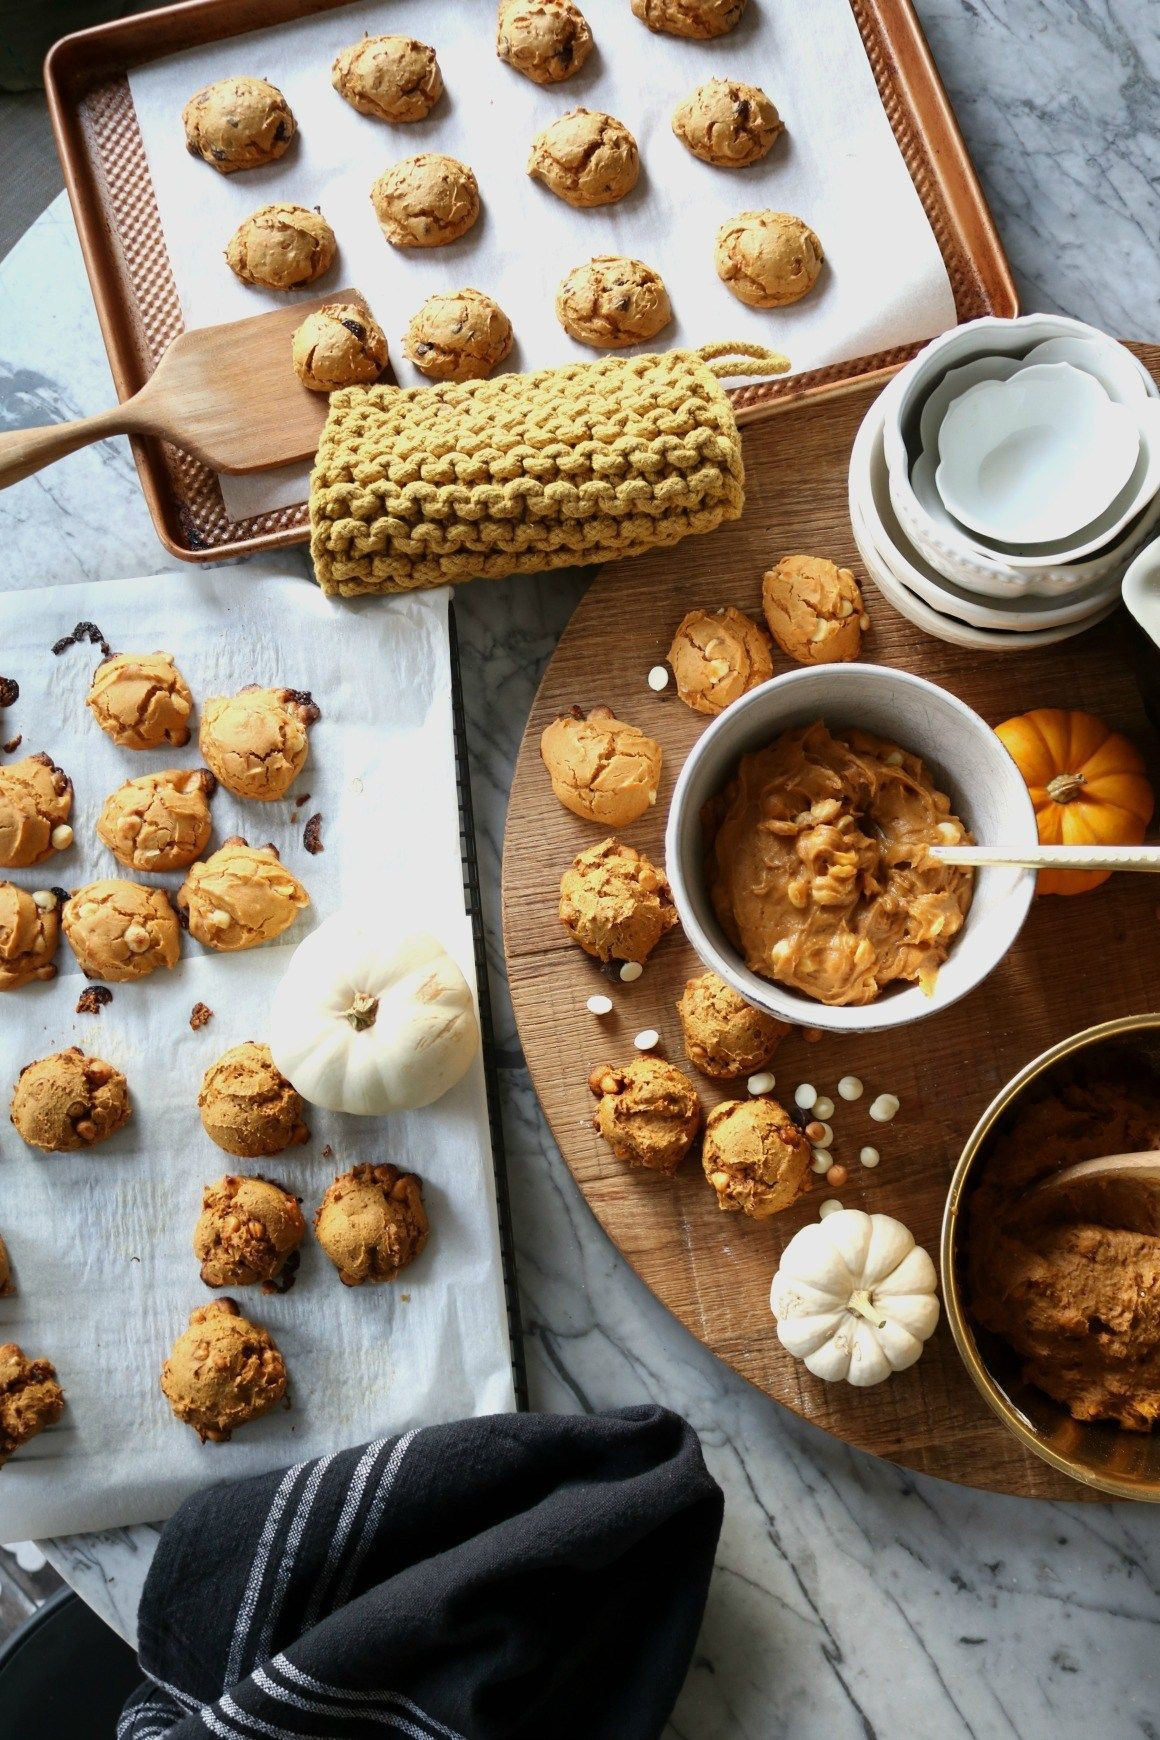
x=112 y=198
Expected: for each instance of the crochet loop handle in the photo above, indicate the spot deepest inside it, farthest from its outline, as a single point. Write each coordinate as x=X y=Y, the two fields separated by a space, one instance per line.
x=740 y=357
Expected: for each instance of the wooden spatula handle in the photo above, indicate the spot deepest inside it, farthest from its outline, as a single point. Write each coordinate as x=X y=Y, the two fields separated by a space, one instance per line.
x=23 y=451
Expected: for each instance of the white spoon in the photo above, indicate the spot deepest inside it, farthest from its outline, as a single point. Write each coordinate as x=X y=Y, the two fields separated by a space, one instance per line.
x=1146 y=858
x=1111 y=1168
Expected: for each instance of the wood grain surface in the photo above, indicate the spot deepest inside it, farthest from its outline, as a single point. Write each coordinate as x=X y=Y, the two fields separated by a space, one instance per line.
x=1078 y=961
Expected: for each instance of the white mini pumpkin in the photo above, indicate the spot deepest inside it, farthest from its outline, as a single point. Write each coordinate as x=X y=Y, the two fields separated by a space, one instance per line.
x=854 y=1297
x=370 y=1020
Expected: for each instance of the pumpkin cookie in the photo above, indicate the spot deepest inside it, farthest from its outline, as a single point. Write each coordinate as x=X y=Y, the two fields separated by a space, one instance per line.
x=612 y=302
x=247 y=1106
x=159 y=821
x=768 y=258
x=717 y=656
x=391 y=78
x=615 y=903
x=697 y=19
x=340 y=345
x=29 y=930
x=727 y=123
x=281 y=247
x=248 y=1229
x=238 y=124
x=586 y=158
x=141 y=701
x=240 y=897
x=814 y=610
x=426 y=201
x=648 y=1112
x=35 y=804
x=755 y=1157
x=120 y=930
x=69 y=1101
x=30 y=1398
x=371 y=1223
x=223 y=1372
x=601 y=769
x=255 y=742
x=726 y=1037
x=546 y=40
x=458 y=335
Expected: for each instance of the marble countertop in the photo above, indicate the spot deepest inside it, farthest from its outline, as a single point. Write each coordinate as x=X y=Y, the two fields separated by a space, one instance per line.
x=849 y=1597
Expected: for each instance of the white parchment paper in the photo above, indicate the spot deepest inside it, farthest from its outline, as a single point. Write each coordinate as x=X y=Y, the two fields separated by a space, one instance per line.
x=838 y=166
x=100 y=1241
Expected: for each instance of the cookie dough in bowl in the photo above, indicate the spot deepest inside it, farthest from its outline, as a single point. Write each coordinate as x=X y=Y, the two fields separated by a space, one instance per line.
x=35 y=804
x=340 y=345
x=68 y=1101
x=718 y=655
x=768 y=258
x=727 y=123
x=247 y=1106
x=458 y=335
x=159 y=821
x=256 y=742
x=586 y=158
x=141 y=700
x=223 y=1372
x=239 y=897
x=390 y=78
x=120 y=931
x=426 y=201
x=281 y=247
x=239 y=123
x=29 y=929
x=546 y=40
x=612 y=302
x=247 y=1231
x=372 y=1223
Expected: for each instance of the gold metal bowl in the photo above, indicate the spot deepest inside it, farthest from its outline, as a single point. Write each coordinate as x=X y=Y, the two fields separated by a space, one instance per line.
x=1103 y=1455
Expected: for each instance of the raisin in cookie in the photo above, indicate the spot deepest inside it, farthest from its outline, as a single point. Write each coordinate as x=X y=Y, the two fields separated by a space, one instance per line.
x=240 y=897
x=426 y=201
x=29 y=929
x=281 y=247
x=256 y=742
x=391 y=78
x=814 y=610
x=727 y=123
x=458 y=335
x=647 y=1111
x=238 y=124
x=717 y=656
x=371 y=1223
x=340 y=345
x=601 y=768
x=613 y=301
x=615 y=903
x=697 y=19
x=586 y=158
x=223 y=1372
x=120 y=931
x=159 y=821
x=768 y=258
x=35 y=804
x=141 y=701
x=69 y=1101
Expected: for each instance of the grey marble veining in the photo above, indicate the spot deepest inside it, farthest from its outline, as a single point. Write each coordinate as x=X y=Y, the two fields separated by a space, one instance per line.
x=850 y=1598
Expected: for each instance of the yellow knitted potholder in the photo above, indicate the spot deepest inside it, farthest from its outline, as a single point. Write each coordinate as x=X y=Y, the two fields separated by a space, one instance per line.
x=430 y=485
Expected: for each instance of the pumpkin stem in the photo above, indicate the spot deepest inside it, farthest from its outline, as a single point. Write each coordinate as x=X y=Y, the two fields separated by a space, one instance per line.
x=861 y=1303
x=362 y=1012
x=1065 y=787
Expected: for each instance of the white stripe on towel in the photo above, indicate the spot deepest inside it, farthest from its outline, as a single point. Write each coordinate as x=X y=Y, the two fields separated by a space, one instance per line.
x=249 y=1600
x=382 y=1718
x=358 y=1483
x=349 y=1694
x=374 y=1515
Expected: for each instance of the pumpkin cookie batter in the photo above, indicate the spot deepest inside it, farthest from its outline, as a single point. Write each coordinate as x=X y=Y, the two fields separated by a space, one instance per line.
x=755 y=1157
x=238 y=124
x=727 y=123
x=458 y=335
x=35 y=804
x=818 y=866
x=648 y=1112
x=159 y=821
x=698 y=19
x=240 y=897
x=546 y=40
x=768 y=258
x=586 y=158
x=615 y=903
x=726 y=1037
x=601 y=769
x=281 y=247
x=371 y=1223
x=613 y=301
x=426 y=201
x=247 y=1106
x=255 y=742
x=814 y=610
x=223 y=1372
x=30 y=1398
x=141 y=701
x=391 y=78
x=120 y=931
x=717 y=656
x=29 y=930
x=247 y=1230
x=340 y=345
x=69 y=1101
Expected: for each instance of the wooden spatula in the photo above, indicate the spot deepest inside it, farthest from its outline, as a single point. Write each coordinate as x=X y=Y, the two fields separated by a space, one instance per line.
x=227 y=394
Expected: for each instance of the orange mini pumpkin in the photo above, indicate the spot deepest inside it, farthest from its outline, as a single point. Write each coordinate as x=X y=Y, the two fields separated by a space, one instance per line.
x=1088 y=785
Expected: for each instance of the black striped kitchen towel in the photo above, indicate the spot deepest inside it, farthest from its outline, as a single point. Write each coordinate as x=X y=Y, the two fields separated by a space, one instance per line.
x=520 y=1577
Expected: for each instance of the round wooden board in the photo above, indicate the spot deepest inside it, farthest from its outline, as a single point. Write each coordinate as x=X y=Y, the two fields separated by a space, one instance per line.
x=1078 y=961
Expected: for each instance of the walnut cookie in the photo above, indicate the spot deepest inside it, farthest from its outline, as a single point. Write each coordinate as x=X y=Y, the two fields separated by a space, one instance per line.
x=458 y=335
x=281 y=247
x=255 y=742
x=35 y=804
x=68 y=1101
x=247 y=1231
x=727 y=123
x=29 y=932
x=586 y=158
x=120 y=931
x=247 y=1106
x=30 y=1398
x=755 y=1157
x=390 y=78
x=546 y=40
x=601 y=768
x=426 y=201
x=371 y=1223
x=613 y=301
x=239 y=897
x=615 y=903
x=223 y=1372
x=768 y=258
x=141 y=701
x=159 y=821
x=717 y=656
x=239 y=123
x=340 y=345
x=648 y=1112
x=697 y=19
x=814 y=610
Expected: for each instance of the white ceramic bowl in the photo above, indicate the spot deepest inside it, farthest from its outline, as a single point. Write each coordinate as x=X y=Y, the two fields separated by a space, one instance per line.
x=966 y=760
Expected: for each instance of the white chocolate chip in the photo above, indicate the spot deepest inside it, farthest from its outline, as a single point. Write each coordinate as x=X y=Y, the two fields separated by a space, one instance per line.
x=38 y=945
x=599 y=1005
x=845 y=608
x=869 y=1156
x=894 y=759
x=45 y=899
x=137 y=938
x=763 y=1082
x=219 y=919
x=947 y=831
x=646 y=1039
x=823 y=1107
x=864 y=623
x=804 y=1096
x=884 y=1108
x=719 y=668
x=658 y=678
x=830 y=1206
x=61 y=838
x=630 y=972
x=851 y=1088
x=821 y=1161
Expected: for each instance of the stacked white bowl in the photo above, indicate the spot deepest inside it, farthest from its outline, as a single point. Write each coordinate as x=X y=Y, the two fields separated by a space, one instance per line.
x=1002 y=483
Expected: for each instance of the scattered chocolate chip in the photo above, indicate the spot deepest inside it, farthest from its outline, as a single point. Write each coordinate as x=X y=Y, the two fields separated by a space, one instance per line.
x=279 y=133
x=183 y=917
x=304 y=699
x=61 y=895
x=283 y=1282
x=93 y=999
x=577 y=712
x=357 y=327
x=83 y=631
x=9 y=691
x=312 y=835
x=12 y=745
x=199 y=1015
x=209 y=783
x=328 y=1152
